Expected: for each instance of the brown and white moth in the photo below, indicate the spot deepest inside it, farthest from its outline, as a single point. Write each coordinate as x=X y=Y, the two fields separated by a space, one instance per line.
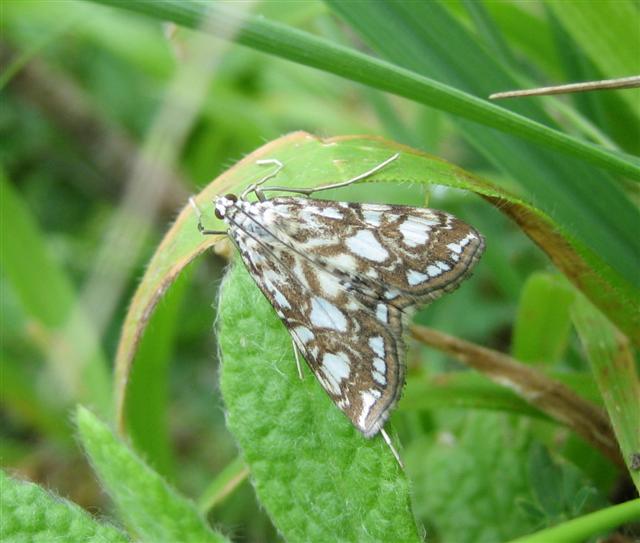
x=343 y=277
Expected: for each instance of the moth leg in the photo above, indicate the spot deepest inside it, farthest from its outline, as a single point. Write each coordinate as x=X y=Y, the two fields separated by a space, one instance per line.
x=311 y=190
x=385 y=436
x=255 y=187
x=201 y=227
x=296 y=354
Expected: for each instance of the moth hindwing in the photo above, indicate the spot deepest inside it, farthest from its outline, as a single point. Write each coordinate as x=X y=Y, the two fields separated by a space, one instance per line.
x=342 y=277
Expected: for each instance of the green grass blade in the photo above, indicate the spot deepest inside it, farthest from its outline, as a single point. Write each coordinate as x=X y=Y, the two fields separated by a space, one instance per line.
x=43 y=288
x=615 y=370
x=541 y=331
x=613 y=47
x=147 y=410
x=154 y=510
x=232 y=476
x=298 y=46
x=29 y=513
x=48 y=299
x=319 y=479
x=584 y=528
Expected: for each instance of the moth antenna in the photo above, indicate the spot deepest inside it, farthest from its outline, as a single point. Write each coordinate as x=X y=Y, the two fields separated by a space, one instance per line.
x=359 y=177
x=255 y=187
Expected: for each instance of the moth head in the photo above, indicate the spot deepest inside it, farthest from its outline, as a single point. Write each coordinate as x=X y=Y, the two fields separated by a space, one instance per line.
x=222 y=203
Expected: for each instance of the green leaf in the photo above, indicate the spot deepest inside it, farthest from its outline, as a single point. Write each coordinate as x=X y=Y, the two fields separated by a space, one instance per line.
x=615 y=370
x=49 y=300
x=29 y=513
x=543 y=322
x=233 y=475
x=470 y=477
x=147 y=411
x=319 y=479
x=154 y=510
x=561 y=490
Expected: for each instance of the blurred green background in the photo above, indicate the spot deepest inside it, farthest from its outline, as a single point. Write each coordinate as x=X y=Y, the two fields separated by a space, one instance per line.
x=110 y=120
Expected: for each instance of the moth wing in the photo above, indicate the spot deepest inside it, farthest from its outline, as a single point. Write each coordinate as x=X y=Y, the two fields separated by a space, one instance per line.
x=351 y=342
x=406 y=255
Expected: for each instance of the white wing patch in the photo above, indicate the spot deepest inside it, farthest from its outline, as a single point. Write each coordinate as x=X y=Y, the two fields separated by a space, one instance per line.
x=414 y=233
x=336 y=365
x=415 y=277
x=364 y=244
x=326 y=315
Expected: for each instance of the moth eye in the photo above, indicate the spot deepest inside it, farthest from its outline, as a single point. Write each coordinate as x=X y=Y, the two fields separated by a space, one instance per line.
x=231 y=197
x=218 y=213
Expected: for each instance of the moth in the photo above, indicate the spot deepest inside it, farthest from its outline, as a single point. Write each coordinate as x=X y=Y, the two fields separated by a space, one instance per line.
x=344 y=278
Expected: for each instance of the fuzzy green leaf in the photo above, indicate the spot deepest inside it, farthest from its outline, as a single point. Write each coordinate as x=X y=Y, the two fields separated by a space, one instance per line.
x=30 y=514
x=319 y=479
x=470 y=479
x=149 y=505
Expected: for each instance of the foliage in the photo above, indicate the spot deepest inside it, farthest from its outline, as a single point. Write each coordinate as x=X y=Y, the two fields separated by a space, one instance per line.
x=112 y=118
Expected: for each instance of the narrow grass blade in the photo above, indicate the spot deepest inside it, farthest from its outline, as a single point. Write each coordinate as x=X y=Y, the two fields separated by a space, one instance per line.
x=307 y=49
x=615 y=370
x=584 y=528
x=224 y=484
x=543 y=322
x=48 y=299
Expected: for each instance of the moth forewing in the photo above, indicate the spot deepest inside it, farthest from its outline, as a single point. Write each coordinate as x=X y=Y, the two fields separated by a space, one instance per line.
x=342 y=276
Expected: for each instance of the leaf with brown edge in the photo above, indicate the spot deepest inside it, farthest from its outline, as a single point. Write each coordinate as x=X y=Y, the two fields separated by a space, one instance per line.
x=311 y=161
